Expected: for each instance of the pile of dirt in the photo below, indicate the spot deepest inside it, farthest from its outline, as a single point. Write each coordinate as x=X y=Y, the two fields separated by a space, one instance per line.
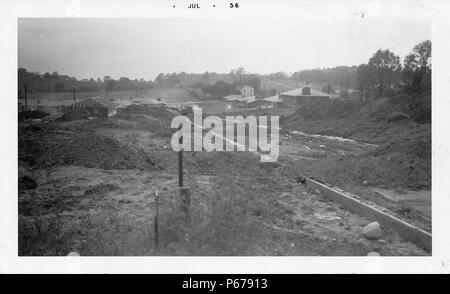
x=403 y=161
x=74 y=114
x=32 y=114
x=391 y=171
x=113 y=122
x=416 y=107
x=156 y=111
x=412 y=144
x=401 y=127
x=81 y=148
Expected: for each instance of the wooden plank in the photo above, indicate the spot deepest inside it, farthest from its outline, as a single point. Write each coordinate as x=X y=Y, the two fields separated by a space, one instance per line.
x=406 y=230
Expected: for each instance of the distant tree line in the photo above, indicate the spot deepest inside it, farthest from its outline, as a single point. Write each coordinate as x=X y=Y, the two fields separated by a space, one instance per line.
x=239 y=78
x=385 y=69
x=56 y=82
x=341 y=75
x=383 y=73
x=183 y=79
x=214 y=84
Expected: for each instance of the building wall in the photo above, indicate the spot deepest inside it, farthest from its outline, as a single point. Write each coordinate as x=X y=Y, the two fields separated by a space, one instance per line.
x=301 y=100
x=247 y=91
x=255 y=103
x=98 y=111
x=112 y=111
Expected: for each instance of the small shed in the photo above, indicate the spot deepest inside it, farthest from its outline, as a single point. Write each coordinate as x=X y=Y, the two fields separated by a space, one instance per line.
x=96 y=107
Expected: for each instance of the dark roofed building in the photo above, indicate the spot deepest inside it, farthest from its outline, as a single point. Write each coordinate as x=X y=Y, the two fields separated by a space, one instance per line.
x=298 y=97
x=95 y=107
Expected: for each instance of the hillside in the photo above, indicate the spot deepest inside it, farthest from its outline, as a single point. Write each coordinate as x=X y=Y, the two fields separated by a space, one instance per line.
x=400 y=126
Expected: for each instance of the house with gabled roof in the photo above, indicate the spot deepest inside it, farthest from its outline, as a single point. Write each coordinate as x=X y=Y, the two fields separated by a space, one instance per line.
x=301 y=96
x=95 y=107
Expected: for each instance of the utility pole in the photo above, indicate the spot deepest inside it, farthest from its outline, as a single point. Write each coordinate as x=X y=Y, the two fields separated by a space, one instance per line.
x=26 y=102
x=74 y=95
x=156 y=220
x=180 y=164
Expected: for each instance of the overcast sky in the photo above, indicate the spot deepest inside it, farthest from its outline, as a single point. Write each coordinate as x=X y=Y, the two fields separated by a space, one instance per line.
x=143 y=48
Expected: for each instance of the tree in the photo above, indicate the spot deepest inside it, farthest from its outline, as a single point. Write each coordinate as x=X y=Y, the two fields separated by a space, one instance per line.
x=205 y=77
x=417 y=67
x=340 y=75
x=237 y=75
x=220 y=88
x=59 y=87
x=328 y=89
x=279 y=76
x=365 y=78
x=159 y=80
x=254 y=81
x=384 y=62
x=110 y=85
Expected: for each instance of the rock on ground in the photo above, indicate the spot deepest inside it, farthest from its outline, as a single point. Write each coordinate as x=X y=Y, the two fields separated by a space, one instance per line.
x=373 y=231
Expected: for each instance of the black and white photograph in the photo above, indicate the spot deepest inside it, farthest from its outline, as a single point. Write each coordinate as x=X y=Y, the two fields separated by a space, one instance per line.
x=198 y=134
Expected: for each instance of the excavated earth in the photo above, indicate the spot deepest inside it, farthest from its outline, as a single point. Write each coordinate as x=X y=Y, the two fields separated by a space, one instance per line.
x=95 y=183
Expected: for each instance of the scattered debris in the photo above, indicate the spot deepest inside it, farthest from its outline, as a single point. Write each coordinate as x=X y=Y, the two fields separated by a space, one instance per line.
x=80 y=148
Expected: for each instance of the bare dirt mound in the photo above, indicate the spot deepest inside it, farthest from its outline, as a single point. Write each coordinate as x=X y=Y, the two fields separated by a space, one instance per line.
x=401 y=127
x=85 y=148
x=32 y=114
x=393 y=170
x=155 y=111
x=375 y=121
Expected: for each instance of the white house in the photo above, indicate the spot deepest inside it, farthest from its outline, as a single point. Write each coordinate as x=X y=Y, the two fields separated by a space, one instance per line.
x=247 y=91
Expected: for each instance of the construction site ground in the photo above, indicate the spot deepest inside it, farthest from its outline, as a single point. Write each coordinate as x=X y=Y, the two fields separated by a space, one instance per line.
x=95 y=183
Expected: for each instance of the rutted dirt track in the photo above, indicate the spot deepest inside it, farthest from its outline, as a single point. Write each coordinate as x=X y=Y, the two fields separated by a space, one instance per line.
x=239 y=205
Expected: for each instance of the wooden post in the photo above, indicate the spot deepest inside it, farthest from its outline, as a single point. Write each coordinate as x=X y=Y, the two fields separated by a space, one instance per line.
x=26 y=102
x=74 y=95
x=185 y=199
x=156 y=220
x=163 y=110
x=180 y=163
x=180 y=168
x=184 y=192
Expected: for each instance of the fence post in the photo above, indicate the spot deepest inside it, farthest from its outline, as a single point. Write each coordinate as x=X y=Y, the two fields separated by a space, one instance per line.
x=156 y=220
x=26 y=101
x=184 y=192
